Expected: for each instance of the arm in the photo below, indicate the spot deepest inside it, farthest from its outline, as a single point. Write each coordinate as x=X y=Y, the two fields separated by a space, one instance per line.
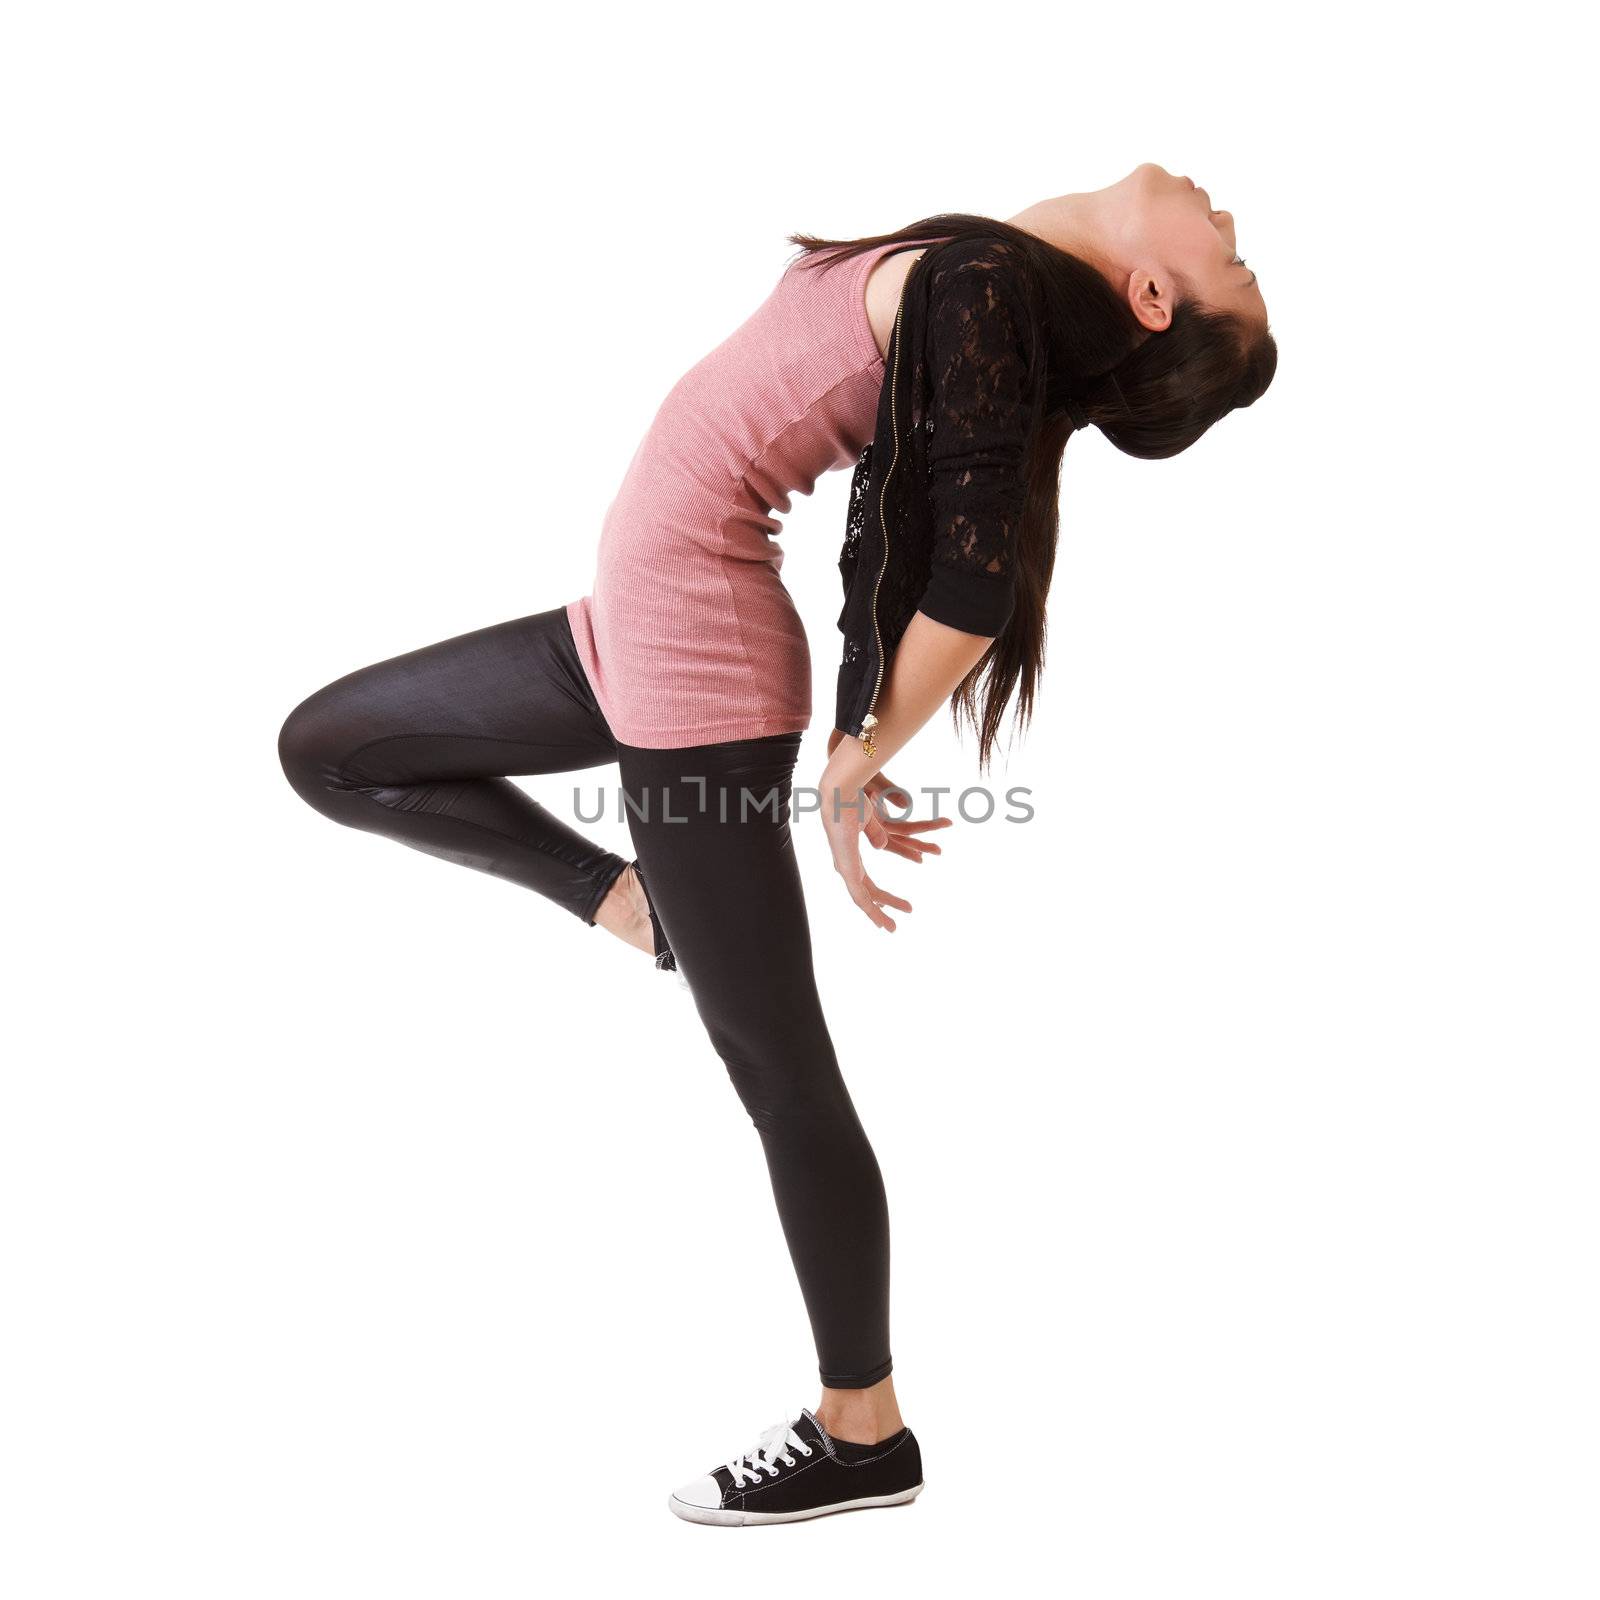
x=928 y=666
x=929 y=663
x=986 y=400
x=986 y=392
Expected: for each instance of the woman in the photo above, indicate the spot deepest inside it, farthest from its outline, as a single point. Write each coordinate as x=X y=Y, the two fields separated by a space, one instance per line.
x=950 y=360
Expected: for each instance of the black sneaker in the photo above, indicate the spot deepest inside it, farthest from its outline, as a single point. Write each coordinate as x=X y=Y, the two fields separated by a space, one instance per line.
x=798 y=1472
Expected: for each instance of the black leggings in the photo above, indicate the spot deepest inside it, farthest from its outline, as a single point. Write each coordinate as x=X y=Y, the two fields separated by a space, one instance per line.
x=420 y=748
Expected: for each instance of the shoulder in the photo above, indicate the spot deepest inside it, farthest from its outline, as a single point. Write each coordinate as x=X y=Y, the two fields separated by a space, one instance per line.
x=984 y=308
x=985 y=288
x=974 y=270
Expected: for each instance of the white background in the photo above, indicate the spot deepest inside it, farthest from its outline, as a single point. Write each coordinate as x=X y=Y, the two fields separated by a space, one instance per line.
x=372 y=1229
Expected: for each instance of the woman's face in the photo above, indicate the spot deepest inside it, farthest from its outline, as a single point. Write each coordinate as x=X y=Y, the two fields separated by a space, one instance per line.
x=1163 y=228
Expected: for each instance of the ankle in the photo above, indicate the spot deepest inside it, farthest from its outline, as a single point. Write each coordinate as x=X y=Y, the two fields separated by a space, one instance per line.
x=860 y=1416
x=626 y=913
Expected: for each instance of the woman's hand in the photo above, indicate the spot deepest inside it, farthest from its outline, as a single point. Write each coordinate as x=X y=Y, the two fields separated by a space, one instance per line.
x=848 y=814
x=899 y=836
x=895 y=836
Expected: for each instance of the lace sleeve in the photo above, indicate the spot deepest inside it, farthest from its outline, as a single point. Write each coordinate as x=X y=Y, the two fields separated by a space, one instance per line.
x=982 y=401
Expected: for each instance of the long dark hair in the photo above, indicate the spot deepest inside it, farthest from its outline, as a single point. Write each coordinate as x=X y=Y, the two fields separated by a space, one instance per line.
x=1151 y=395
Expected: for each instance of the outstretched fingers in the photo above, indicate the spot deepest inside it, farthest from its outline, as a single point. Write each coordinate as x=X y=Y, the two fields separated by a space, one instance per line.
x=872 y=899
x=901 y=838
x=884 y=898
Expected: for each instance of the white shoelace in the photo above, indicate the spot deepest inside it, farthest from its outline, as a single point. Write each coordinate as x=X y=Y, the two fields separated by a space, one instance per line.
x=775 y=1446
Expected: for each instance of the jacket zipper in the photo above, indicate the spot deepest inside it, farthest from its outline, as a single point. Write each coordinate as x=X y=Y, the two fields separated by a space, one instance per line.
x=869 y=746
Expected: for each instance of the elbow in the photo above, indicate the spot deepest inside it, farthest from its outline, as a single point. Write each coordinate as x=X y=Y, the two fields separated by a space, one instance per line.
x=978 y=603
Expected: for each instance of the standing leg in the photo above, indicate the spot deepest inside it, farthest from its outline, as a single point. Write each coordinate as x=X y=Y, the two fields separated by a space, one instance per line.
x=420 y=748
x=729 y=896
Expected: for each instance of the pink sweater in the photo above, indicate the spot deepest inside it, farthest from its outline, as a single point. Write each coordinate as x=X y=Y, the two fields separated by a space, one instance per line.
x=689 y=636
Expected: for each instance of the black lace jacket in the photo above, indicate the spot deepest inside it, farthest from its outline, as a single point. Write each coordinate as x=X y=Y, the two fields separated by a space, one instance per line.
x=937 y=496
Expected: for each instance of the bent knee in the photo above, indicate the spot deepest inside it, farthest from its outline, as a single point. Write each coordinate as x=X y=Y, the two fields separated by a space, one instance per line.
x=312 y=748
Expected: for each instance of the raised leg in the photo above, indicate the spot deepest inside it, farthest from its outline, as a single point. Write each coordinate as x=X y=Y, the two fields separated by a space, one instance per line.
x=421 y=749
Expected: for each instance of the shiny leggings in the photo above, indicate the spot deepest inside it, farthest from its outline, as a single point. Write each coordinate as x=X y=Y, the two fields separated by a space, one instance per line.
x=420 y=749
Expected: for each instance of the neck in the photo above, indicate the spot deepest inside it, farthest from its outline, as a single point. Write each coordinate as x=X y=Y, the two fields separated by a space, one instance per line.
x=1076 y=223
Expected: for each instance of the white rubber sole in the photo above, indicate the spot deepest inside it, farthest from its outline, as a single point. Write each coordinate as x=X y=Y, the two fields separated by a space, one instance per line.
x=716 y=1517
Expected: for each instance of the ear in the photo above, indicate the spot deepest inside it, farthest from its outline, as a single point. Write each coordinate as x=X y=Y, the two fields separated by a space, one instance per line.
x=1150 y=297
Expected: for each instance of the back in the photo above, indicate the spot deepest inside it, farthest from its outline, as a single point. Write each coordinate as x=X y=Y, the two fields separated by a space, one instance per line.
x=689 y=635
x=787 y=396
